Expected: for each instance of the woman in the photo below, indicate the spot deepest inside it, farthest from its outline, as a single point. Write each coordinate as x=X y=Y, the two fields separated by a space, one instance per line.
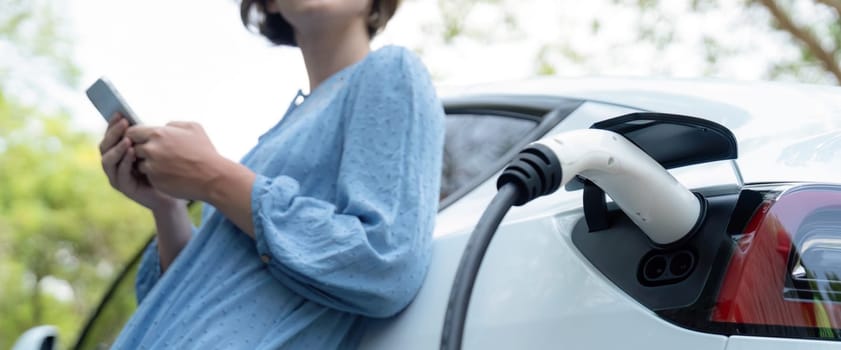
x=326 y=222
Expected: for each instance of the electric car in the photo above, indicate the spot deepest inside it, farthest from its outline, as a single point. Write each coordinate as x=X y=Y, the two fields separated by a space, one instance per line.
x=706 y=215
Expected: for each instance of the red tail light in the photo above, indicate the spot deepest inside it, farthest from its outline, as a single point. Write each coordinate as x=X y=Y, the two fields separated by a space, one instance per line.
x=786 y=267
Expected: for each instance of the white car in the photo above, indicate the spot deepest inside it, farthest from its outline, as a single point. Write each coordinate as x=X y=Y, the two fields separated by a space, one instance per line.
x=759 y=269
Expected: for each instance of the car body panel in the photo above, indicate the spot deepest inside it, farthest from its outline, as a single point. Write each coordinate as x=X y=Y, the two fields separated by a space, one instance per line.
x=737 y=342
x=523 y=279
x=786 y=132
x=535 y=290
x=37 y=338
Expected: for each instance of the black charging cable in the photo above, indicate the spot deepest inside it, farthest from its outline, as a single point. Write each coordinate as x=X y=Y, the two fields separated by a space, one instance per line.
x=536 y=171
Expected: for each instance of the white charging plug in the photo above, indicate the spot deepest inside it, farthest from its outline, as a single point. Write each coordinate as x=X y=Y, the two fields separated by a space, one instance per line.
x=660 y=205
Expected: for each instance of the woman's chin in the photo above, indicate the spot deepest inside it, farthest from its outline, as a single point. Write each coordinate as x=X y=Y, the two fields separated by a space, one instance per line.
x=305 y=10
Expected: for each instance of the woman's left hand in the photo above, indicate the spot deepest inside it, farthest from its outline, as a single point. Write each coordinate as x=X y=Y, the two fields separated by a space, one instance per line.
x=178 y=158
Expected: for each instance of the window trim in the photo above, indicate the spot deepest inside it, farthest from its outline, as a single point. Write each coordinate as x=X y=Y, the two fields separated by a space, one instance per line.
x=505 y=106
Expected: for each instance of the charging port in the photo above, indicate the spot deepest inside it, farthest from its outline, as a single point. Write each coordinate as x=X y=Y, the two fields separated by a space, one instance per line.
x=661 y=268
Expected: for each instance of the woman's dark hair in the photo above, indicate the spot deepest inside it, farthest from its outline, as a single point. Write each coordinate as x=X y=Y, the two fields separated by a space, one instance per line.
x=275 y=28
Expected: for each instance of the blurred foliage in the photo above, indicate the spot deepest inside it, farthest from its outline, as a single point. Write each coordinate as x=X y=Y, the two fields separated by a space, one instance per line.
x=796 y=40
x=34 y=30
x=813 y=27
x=114 y=313
x=59 y=221
x=453 y=22
x=64 y=233
x=453 y=19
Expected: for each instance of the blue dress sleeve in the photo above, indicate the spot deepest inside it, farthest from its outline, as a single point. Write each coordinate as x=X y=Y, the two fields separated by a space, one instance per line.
x=367 y=252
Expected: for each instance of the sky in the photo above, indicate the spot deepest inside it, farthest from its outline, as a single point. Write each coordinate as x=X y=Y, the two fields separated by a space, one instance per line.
x=185 y=60
x=194 y=60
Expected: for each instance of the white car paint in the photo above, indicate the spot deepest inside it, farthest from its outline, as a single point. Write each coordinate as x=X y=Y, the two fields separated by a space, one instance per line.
x=756 y=343
x=536 y=291
x=35 y=337
x=794 y=129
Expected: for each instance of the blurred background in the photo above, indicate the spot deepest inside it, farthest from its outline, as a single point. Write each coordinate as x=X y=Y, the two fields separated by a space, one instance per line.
x=65 y=235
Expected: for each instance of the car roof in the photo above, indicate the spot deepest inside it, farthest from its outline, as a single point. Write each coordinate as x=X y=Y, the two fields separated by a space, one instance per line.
x=786 y=131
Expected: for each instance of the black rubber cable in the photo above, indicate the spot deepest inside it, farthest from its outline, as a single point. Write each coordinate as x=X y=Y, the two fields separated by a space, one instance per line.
x=535 y=172
x=471 y=260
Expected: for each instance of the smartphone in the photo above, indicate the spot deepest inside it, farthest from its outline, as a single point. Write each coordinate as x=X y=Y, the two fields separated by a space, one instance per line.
x=108 y=101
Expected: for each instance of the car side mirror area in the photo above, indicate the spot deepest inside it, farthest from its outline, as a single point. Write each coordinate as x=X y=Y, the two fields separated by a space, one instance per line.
x=38 y=338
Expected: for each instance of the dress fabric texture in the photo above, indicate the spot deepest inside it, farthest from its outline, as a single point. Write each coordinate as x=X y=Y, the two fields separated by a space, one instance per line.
x=343 y=209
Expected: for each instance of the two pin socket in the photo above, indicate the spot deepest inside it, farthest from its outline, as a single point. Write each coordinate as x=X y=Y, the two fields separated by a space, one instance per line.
x=666 y=267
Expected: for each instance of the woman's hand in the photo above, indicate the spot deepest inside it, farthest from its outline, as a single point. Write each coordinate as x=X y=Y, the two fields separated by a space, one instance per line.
x=118 y=158
x=178 y=159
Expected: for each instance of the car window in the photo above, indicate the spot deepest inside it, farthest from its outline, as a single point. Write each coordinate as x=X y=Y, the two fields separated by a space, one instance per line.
x=474 y=143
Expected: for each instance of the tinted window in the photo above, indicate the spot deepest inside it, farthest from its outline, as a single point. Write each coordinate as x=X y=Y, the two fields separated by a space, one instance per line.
x=474 y=143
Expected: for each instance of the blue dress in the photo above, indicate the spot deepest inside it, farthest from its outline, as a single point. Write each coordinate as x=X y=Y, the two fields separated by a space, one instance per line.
x=343 y=209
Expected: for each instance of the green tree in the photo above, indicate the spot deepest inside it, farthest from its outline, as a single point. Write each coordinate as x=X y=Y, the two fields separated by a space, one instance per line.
x=808 y=30
x=60 y=220
x=64 y=233
x=819 y=40
x=34 y=32
x=796 y=40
